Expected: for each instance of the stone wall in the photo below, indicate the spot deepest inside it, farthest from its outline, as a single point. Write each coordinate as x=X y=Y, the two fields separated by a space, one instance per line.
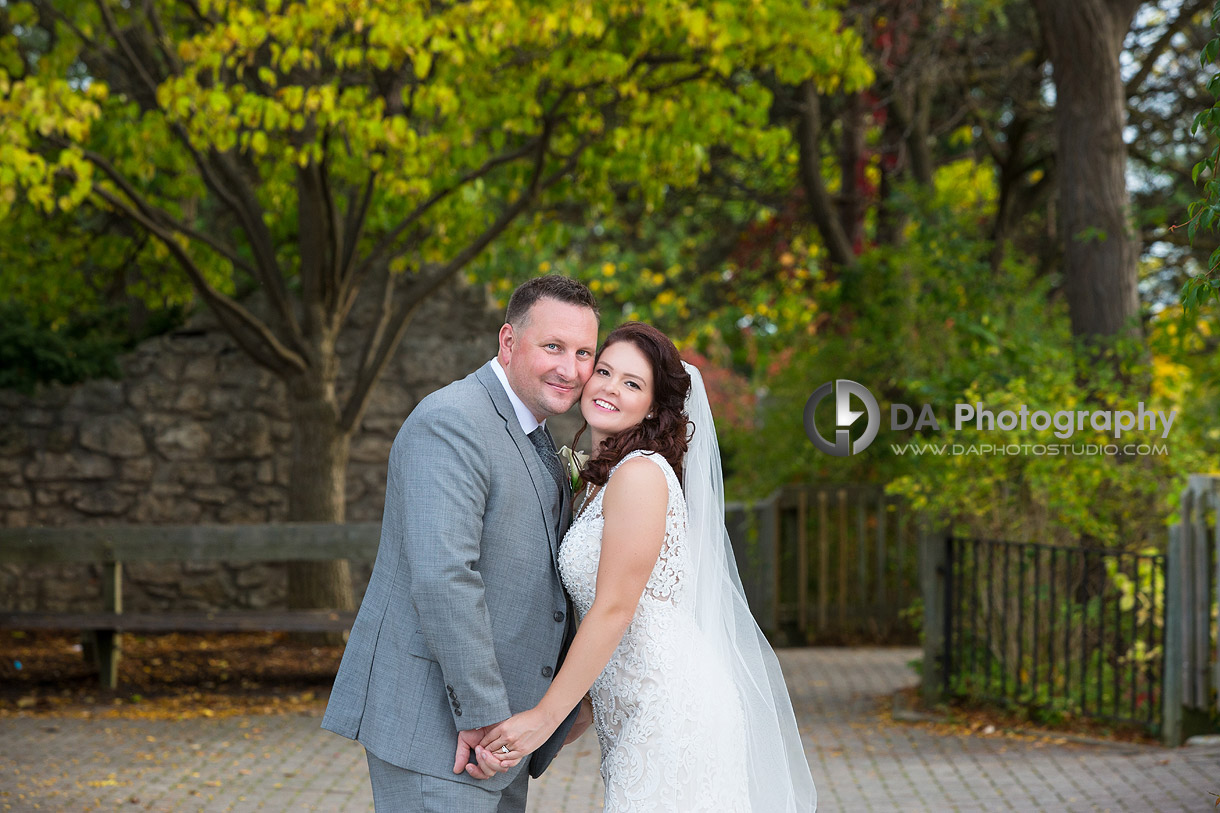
x=196 y=433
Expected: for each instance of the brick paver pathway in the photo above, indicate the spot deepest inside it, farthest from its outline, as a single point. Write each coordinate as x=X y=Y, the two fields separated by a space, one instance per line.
x=861 y=761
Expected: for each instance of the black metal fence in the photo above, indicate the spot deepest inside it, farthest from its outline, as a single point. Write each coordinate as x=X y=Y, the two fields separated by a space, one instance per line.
x=1062 y=632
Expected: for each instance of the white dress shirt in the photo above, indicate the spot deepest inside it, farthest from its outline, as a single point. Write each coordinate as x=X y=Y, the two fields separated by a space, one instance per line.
x=526 y=418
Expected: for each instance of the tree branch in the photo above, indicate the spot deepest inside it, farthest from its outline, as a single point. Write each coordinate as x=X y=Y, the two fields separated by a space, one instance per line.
x=311 y=240
x=357 y=218
x=824 y=216
x=1183 y=173
x=254 y=337
x=50 y=10
x=156 y=213
x=136 y=65
x=338 y=240
x=1185 y=16
x=235 y=197
x=197 y=11
x=243 y=204
x=427 y=282
x=372 y=344
x=387 y=242
x=160 y=37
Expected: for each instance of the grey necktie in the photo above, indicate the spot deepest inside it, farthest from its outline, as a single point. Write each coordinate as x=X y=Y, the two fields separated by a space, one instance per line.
x=546 y=451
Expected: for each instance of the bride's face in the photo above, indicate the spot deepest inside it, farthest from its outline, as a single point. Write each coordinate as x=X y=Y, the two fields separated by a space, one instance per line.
x=619 y=394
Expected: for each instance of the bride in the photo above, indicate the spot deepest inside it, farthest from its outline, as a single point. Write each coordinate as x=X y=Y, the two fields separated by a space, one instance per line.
x=689 y=703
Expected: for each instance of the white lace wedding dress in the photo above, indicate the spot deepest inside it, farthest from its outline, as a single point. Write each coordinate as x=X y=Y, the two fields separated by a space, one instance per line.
x=666 y=711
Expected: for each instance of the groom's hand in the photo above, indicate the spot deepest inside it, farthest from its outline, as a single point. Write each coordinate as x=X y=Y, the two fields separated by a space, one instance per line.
x=487 y=765
x=584 y=718
x=466 y=742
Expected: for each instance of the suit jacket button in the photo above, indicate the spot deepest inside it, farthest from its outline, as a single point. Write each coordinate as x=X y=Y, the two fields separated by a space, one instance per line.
x=457 y=712
x=559 y=615
x=450 y=688
x=547 y=671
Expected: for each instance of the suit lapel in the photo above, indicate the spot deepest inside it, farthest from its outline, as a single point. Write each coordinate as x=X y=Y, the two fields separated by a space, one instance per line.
x=544 y=483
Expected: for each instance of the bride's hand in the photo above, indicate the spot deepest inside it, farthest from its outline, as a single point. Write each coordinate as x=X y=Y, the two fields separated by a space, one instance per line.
x=523 y=733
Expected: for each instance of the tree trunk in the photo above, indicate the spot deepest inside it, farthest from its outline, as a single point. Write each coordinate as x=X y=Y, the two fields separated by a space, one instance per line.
x=1084 y=39
x=853 y=192
x=317 y=493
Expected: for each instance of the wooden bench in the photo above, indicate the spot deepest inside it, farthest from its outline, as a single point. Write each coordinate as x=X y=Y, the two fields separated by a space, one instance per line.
x=113 y=546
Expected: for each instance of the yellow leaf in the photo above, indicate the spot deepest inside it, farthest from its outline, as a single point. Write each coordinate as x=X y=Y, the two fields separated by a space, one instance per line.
x=423 y=63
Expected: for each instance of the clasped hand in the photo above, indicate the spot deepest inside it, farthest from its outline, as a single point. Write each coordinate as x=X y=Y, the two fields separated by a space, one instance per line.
x=521 y=734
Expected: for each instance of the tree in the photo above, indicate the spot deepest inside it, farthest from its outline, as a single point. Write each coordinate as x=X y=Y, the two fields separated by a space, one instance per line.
x=1084 y=40
x=315 y=151
x=1204 y=210
x=1165 y=87
x=72 y=327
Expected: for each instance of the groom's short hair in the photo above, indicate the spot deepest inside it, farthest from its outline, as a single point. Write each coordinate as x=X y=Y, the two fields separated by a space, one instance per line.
x=552 y=286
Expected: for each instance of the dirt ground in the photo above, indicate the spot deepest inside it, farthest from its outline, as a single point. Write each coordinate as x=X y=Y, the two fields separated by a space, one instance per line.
x=173 y=676
x=181 y=675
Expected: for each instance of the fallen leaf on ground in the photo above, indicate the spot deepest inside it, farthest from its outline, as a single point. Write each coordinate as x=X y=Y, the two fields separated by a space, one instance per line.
x=170 y=676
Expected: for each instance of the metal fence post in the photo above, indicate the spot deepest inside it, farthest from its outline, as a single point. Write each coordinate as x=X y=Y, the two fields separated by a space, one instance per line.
x=933 y=576
x=1171 y=675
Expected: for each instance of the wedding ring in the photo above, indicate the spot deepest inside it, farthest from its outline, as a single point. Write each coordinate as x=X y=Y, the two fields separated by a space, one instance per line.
x=503 y=749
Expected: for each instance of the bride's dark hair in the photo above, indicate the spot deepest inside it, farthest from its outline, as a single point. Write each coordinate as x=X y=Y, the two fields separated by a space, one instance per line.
x=667 y=431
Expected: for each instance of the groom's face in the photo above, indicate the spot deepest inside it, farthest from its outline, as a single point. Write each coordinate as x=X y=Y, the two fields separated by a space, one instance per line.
x=548 y=357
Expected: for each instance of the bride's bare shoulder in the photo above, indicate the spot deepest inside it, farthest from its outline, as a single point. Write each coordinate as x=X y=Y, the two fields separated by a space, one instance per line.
x=638 y=476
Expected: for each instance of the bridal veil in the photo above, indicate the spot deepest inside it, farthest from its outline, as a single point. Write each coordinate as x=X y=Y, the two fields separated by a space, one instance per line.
x=779 y=778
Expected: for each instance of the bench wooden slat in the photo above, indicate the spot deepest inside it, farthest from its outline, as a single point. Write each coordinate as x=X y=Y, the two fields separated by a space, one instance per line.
x=295 y=541
x=177 y=621
x=114 y=546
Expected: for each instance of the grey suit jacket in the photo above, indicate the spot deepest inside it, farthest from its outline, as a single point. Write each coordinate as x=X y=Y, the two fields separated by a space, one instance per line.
x=465 y=621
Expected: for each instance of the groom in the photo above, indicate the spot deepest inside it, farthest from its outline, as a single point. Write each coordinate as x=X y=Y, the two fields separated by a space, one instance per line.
x=465 y=621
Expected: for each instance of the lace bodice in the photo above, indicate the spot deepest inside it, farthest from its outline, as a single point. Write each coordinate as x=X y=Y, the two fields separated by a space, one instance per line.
x=663 y=697
x=585 y=536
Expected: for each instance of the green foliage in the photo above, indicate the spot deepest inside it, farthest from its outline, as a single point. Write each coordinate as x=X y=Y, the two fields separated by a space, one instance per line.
x=1044 y=696
x=70 y=262
x=1186 y=372
x=452 y=113
x=79 y=288
x=928 y=322
x=644 y=263
x=1204 y=212
x=34 y=351
x=31 y=353
x=311 y=150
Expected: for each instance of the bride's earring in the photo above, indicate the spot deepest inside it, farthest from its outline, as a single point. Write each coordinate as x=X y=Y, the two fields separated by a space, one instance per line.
x=648 y=416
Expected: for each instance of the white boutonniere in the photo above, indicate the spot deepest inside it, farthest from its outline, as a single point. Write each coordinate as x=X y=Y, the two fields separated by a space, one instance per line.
x=573 y=463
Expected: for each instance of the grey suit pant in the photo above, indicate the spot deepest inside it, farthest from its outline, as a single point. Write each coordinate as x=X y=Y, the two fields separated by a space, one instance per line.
x=398 y=790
